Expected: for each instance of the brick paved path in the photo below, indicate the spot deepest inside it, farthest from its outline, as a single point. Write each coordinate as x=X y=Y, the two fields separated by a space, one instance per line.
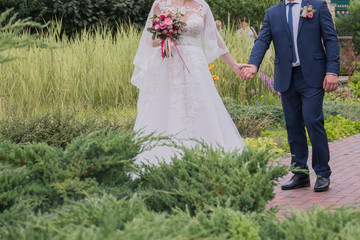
x=345 y=180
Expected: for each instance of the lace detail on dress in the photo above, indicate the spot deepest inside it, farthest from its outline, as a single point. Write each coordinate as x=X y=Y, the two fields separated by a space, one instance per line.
x=196 y=8
x=186 y=99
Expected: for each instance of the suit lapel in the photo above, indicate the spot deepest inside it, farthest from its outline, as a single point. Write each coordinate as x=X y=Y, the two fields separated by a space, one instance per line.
x=282 y=7
x=304 y=3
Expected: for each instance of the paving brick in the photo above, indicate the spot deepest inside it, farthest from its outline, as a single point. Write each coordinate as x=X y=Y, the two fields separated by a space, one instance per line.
x=344 y=187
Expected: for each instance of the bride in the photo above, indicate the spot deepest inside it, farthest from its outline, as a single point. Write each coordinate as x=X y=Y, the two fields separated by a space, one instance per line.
x=181 y=100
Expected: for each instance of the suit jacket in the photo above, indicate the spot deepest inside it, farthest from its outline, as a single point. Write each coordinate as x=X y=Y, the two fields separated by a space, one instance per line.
x=317 y=42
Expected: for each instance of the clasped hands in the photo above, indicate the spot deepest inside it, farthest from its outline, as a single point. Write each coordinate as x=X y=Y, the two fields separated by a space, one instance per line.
x=245 y=71
x=248 y=71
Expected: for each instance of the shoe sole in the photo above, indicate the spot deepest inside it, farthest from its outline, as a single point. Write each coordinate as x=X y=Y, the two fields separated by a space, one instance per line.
x=321 y=189
x=300 y=186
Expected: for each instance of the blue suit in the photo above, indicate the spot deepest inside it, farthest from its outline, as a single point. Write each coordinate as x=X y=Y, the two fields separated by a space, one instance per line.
x=301 y=87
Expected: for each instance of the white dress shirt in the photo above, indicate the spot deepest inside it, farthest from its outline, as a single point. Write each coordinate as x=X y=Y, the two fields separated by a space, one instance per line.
x=296 y=19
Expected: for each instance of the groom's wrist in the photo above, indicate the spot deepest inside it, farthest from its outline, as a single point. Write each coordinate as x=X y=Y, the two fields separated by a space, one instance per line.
x=330 y=73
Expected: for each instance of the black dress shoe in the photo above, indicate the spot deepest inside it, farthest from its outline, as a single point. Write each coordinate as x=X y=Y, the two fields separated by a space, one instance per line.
x=297 y=182
x=322 y=184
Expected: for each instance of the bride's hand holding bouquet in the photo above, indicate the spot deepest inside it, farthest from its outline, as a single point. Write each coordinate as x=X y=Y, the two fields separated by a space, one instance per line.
x=166 y=30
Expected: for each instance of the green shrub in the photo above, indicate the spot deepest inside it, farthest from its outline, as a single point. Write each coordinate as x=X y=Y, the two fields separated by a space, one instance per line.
x=336 y=128
x=41 y=177
x=317 y=223
x=251 y=120
x=205 y=176
x=9 y=34
x=348 y=24
x=354 y=84
x=241 y=8
x=109 y=218
x=78 y=14
x=55 y=128
x=349 y=111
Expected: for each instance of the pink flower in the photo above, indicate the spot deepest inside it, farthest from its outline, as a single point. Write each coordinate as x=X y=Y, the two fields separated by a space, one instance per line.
x=304 y=14
x=156 y=20
x=157 y=27
x=310 y=15
x=162 y=16
x=168 y=21
x=179 y=31
x=165 y=32
x=309 y=9
x=163 y=26
x=171 y=31
x=182 y=27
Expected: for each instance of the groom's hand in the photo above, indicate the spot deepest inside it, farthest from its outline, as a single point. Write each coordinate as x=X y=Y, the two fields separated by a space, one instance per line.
x=247 y=73
x=330 y=82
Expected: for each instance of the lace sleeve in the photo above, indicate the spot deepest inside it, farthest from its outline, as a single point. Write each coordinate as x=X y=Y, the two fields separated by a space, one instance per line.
x=213 y=44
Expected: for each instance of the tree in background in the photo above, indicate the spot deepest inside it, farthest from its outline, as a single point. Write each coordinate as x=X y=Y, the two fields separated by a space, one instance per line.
x=349 y=24
x=253 y=10
x=75 y=15
x=10 y=34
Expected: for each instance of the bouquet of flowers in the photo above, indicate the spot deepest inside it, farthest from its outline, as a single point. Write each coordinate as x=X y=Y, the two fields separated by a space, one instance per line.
x=168 y=27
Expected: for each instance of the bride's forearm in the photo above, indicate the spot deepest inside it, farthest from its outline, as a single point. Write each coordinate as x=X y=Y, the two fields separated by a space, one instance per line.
x=229 y=60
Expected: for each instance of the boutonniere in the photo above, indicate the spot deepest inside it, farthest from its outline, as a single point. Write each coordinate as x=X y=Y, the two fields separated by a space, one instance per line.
x=307 y=11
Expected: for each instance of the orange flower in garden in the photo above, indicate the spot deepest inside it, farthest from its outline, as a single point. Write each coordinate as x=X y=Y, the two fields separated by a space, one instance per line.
x=215 y=77
x=212 y=67
x=262 y=96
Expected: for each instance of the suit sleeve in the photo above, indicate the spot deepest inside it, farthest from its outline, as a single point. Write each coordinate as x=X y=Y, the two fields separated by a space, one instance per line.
x=330 y=40
x=262 y=43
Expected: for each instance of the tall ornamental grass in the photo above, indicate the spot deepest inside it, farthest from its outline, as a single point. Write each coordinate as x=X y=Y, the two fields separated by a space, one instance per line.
x=93 y=71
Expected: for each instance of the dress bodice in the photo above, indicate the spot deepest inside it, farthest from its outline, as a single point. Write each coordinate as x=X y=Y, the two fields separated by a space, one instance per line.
x=193 y=16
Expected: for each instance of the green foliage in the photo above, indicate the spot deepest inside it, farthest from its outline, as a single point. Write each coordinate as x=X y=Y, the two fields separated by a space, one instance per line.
x=39 y=177
x=252 y=120
x=336 y=127
x=78 y=14
x=349 y=23
x=342 y=223
x=349 y=111
x=9 y=34
x=264 y=143
x=54 y=128
x=237 y=9
x=205 y=176
x=109 y=218
x=34 y=9
x=354 y=84
x=91 y=72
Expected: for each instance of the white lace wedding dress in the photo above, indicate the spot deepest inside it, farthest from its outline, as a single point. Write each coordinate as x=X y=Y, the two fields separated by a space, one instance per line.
x=175 y=101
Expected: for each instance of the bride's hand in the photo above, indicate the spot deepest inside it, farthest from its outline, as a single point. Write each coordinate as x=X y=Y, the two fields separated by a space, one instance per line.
x=238 y=67
x=156 y=42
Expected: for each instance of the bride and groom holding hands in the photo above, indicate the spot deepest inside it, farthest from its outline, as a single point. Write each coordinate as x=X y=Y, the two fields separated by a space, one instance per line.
x=175 y=100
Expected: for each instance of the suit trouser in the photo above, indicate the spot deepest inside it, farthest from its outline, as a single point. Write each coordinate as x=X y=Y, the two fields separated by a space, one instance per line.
x=302 y=106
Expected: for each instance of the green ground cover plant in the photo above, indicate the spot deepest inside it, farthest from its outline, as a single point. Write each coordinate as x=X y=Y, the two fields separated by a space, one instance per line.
x=37 y=179
x=336 y=127
x=109 y=218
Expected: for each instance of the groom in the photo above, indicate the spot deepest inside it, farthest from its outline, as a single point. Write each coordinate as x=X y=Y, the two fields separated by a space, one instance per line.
x=306 y=65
